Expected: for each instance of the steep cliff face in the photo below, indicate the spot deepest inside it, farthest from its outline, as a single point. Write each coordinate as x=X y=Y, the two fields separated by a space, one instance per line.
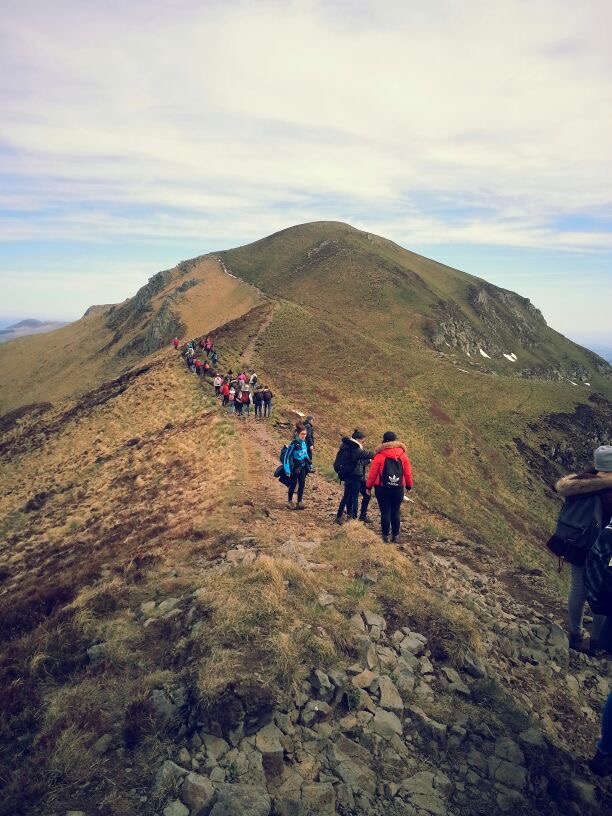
x=156 y=324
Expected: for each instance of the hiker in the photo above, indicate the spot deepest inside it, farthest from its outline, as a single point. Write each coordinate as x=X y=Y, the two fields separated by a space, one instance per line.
x=267 y=401
x=225 y=389
x=214 y=357
x=207 y=345
x=595 y=480
x=246 y=401
x=390 y=475
x=296 y=465
x=231 y=396
x=258 y=402
x=242 y=377
x=176 y=342
x=308 y=424
x=218 y=382
x=230 y=375
x=351 y=461
x=253 y=380
x=205 y=368
x=601 y=764
x=198 y=366
x=201 y=343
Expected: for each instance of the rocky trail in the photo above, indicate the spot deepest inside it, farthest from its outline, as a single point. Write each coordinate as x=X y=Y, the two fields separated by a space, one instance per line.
x=374 y=736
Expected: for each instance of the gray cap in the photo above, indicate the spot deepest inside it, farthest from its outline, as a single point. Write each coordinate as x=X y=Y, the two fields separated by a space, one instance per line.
x=603 y=458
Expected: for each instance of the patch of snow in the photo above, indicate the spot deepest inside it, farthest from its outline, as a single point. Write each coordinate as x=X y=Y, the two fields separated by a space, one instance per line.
x=484 y=353
x=511 y=357
x=465 y=371
x=572 y=382
x=299 y=413
x=468 y=353
x=447 y=344
x=514 y=357
x=589 y=384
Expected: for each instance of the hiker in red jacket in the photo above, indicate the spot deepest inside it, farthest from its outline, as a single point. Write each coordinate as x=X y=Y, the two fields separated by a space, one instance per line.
x=390 y=474
x=175 y=342
x=207 y=345
x=225 y=389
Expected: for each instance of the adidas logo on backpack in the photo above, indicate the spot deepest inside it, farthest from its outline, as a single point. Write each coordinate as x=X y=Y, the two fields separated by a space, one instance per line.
x=393 y=473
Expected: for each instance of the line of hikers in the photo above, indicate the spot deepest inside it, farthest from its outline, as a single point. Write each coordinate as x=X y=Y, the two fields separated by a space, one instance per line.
x=239 y=393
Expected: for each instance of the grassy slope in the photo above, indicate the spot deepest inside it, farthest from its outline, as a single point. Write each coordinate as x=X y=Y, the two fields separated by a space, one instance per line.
x=76 y=358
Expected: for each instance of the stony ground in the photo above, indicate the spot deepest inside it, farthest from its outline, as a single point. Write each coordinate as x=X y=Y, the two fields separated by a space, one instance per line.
x=356 y=739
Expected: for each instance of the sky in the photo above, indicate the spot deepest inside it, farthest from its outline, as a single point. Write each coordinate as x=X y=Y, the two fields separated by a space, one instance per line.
x=135 y=135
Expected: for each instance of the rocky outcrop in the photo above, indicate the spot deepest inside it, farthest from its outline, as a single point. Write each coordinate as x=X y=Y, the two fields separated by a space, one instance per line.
x=161 y=328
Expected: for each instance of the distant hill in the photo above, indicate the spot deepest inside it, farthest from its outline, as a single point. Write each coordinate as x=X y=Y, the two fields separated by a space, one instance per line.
x=28 y=327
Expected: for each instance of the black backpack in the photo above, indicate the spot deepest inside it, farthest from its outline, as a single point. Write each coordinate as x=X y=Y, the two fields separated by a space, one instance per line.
x=578 y=527
x=392 y=473
x=344 y=464
x=598 y=574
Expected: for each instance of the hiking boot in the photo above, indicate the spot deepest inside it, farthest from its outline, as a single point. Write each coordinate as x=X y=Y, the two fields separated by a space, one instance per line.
x=365 y=519
x=595 y=649
x=289 y=505
x=339 y=521
x=300 y=506
x=601 y=764
x=577 y=643
x=394 y=539
x=385 y=539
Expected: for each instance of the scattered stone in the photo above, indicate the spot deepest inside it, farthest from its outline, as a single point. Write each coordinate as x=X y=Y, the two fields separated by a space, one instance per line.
x=372 y=619
x=389 y=696
x=532 y=737
x=167 y=605
x=184 y=756
x=198 y=794
x=507 y=749
x=325 y=599
x=315 y=712
x=430 y=728
x=176 y=808
x=386 y=724
x=168 y=774
x=366 y=679
x=268 y=743
x=319 y=798
x=241 y=800
x=215 y=746
x=412 y=645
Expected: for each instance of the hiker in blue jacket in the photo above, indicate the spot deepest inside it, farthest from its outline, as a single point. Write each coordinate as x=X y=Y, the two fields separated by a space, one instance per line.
x=297 y=464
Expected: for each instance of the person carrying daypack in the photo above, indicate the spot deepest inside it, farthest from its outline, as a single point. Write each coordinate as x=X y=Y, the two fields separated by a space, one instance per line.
x=246 y=400
x=253 y=380
x=296 y=466
x=586 y=510
x=214 y=357
x=258 y=402
x=350 y=464
x=390 y=475
x=267 y=401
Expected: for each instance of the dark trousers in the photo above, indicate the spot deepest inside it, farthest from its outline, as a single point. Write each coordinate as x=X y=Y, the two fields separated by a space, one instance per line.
x=298 y=479
x=217 y=390
x=390 y=502
x=350 y=499
x=365 y=500
x=259 y=409
x=267 y=407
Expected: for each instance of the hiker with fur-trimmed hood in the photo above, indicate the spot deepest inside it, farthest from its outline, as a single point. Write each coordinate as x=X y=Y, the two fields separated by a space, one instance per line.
x=597 y=479
x=390 y=474
x=350 y=465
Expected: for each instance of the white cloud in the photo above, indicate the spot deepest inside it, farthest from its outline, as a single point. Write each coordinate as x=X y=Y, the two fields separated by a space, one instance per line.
x=191 y=119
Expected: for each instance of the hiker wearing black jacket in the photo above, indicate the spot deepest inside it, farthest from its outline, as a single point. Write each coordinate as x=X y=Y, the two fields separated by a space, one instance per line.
x=351 y=463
